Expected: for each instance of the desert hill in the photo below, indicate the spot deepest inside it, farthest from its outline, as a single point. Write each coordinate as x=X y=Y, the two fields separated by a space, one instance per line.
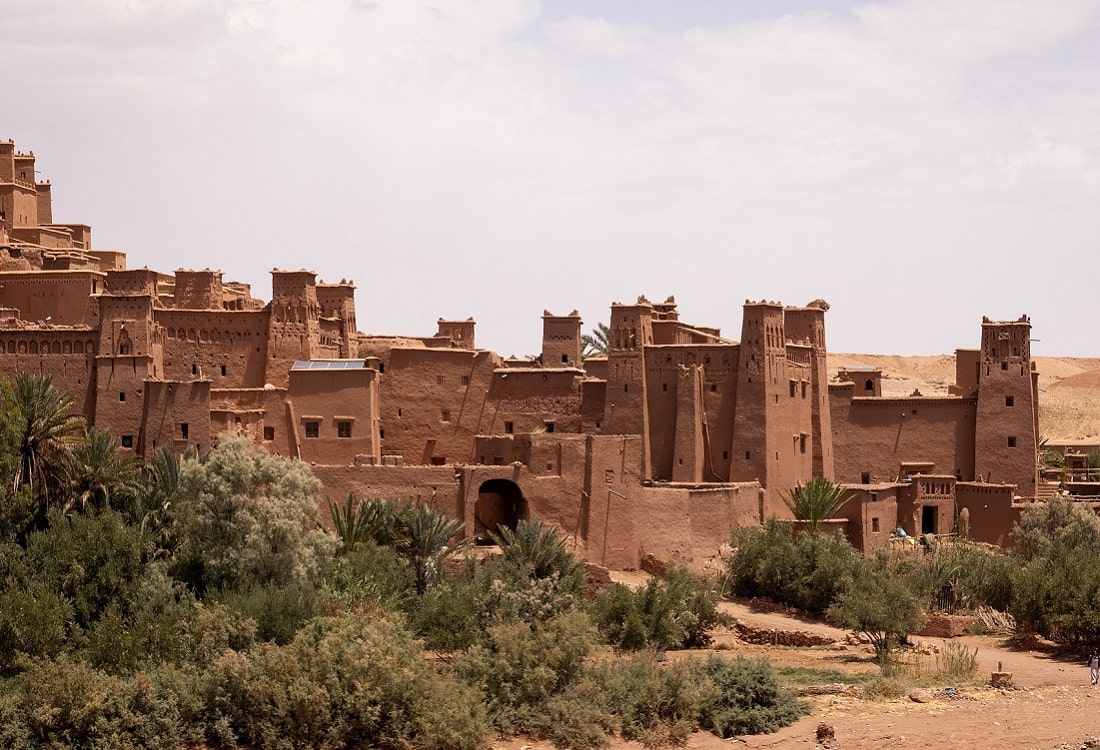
x=1069 y=387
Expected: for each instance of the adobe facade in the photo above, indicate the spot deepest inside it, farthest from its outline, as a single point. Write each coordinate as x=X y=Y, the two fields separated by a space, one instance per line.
x=659 y=447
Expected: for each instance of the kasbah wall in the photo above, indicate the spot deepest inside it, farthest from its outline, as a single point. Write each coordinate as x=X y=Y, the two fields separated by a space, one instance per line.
x=657 y=448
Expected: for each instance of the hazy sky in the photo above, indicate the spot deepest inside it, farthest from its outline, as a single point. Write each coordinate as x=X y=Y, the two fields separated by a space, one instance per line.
x=917 y=163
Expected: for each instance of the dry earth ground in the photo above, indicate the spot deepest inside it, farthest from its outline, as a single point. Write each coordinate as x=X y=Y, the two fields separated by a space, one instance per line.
x=1051 y=704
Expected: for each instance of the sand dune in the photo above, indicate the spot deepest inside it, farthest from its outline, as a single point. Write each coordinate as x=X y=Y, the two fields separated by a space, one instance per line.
x=1069 y=387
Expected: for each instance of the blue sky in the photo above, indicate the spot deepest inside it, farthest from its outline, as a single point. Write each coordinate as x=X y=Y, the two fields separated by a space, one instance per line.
x=918 y=163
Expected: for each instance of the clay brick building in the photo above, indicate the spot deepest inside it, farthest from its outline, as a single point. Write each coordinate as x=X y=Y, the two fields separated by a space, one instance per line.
x=658 y=448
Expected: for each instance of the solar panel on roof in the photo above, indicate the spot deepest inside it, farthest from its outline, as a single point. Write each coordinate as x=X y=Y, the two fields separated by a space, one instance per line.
x=329 y=364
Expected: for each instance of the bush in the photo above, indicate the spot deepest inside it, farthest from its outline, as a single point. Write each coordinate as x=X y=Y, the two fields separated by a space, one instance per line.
x=807 y=571
x=66 y=704
x=460 y=609
x=656 y=704
x=247 y=517
x=672 y=613
x=369 y=573
x=1059 y=596
x=278 y=612
x=744 y=696
x=342 y=682
x=879 y=604
x=523 y=666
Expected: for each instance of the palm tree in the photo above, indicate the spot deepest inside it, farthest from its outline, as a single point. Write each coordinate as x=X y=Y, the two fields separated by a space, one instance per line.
x=538 y=549
x=103 y=475
x=815 y=501
x=163 y=484
x=361 y=522
x=596 y=342
x=46 y=432
x=424 y=537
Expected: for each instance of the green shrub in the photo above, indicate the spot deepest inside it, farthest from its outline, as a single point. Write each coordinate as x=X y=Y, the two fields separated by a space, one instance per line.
x=655 y=703
x=676 y=612
x=523 y=666
x=459 y=610
x=148 y=632
x=342 y=683
x=369 y=573
x=744 y=696
x=807 y=571
x=1058 y=595
x=247 y=517
x=33 y=621
x=67 y=704
x=279 y=612
x=91 y=561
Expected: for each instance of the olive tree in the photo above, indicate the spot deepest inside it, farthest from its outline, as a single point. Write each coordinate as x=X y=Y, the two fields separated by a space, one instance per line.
x=247 y=517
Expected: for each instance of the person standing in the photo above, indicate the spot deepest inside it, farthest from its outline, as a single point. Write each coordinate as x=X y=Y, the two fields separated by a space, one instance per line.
x=1094 y=666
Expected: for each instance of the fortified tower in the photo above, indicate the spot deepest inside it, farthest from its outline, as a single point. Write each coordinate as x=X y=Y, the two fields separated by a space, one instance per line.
x=337 y=303
x=806 y=325
x=131 y=352
x=199 y=290
x=1006 y=440
x=561 y=339
x=294 y=326
x=771 y=440
x=631 y=329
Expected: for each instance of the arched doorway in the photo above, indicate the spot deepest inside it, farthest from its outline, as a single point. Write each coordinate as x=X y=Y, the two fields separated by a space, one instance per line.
x=499 y=503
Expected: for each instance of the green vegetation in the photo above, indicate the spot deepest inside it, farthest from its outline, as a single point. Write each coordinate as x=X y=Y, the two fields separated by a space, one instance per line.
x=197 y=602
x=814 y=501
x=597 y=342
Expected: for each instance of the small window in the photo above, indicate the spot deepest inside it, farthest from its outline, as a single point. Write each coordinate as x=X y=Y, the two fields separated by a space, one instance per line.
x=181 y=431
x=549 y=426
x=223 y=371
x=381 y=367
x=1010 y=400
x=865 y=477
x=874 y=525
x=509 y=428
x=343 y=429
x=399 y=412
x=445 y=415
x=609 y=476
x=122 y=395
x=1004 y=365
x=465 y=380
x=439 y=380
x=794 y=388
x=804 y=384
x=869 y=385
x=713 y=387
x=664 y=386
x=313 y=428
x=194 y=369
x=626 y=387
x=565 y=359
x=269 y=433
x=801 y=443
x=725 y=455
x=748 y=455
x=498 y=460
x=1012 y=441
x=439 y=460
x=127 y=441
